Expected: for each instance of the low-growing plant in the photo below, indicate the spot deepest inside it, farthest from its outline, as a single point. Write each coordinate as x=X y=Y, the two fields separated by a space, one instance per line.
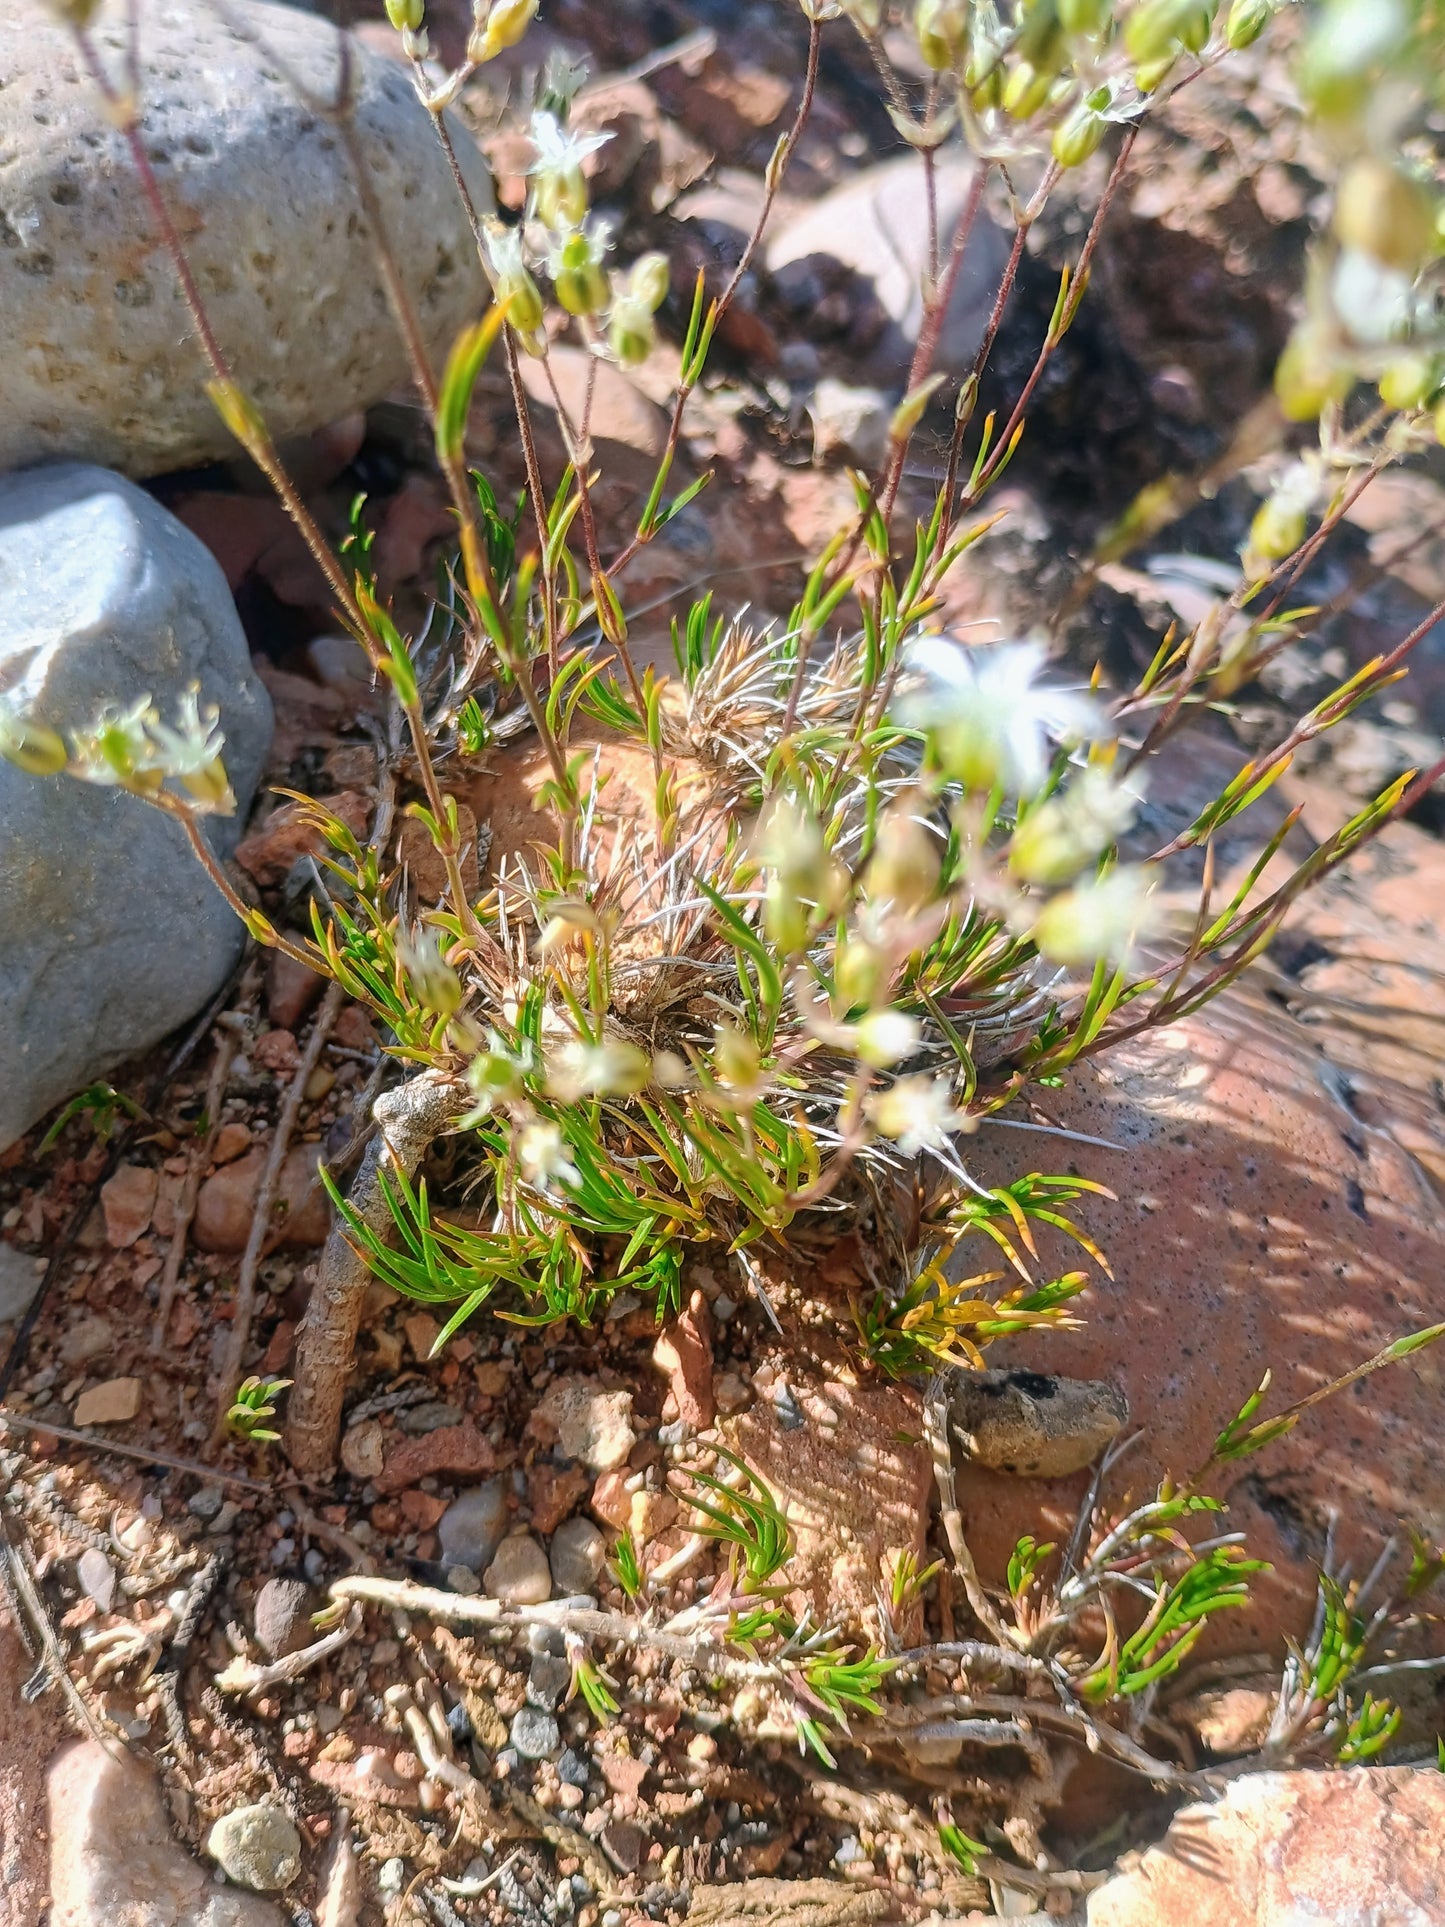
x=868 y=890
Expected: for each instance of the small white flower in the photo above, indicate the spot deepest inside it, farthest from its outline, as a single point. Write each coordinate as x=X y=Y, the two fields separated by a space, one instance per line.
x=542 y=1154
x=428 y=972
x=885 y=1037
x=117 y=749
x=918 y=1113
x=987 y=717
x=495 y=1078
x=560 y=191
x=1375 y=302
x=613 y=1068
x=560 y=149
x=1100 y=919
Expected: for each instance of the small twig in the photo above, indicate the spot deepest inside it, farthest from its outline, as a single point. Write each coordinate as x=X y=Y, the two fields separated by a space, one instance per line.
x=935 y=1421
x=94 y=1442
x=201 y=1154
x=245 y=1301
x=245 y=1676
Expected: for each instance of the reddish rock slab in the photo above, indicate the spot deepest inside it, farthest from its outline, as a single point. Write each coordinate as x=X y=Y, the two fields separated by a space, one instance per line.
x=553 y=1492
x=856 y=1484
x=268 y=853
x=127 y=1199
x=1360 y=1848
x=113 y=1862
x=291 y=990
x=457 y=1449
x=1260 y=1223
x=227 y=1199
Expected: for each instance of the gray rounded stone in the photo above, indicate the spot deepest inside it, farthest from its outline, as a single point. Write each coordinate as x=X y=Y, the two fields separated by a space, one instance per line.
x=472 y=1527
x=519 y=1574
x=535 y=1734
x=111 y=935
x=257 y=1847
x=578 y=1552
x=102 y=360
x=282 y=1617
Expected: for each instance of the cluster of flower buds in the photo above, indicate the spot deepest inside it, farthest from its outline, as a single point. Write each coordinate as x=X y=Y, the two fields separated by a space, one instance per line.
x=1370 y=73
x=130 y=748
x=561 y=235
x=1066 y=69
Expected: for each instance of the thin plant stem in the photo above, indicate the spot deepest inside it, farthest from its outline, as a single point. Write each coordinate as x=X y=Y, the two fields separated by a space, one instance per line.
x=777 y=169
x=244 y=1304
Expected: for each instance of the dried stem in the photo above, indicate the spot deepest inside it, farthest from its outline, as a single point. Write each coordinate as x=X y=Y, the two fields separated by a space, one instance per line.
x=200 y=1156
x=239 y=1336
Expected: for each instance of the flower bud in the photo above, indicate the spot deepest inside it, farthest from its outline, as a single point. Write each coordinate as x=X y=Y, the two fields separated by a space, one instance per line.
x=860 y=973
x=1247 y=21
x=1410 y=381
x=1158 y=27
x=211 y=787
x=1151 y=74
x=505 y=26
x=647 y=281
x=736 y=1058
x=903 y=869
x=785 y=917
x=1384 y=214
x=942 y=30
x=1085 y=16
x=1308 y=376
x=406 y=15
x=431 y=977
x=582 y=283
x=561 y=198
x=1026 y=90
x=1277 y=530
x=37 y=751
x=1078 y=135
x=631 y=333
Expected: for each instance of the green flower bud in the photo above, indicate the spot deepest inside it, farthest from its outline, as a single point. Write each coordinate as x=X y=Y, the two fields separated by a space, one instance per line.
x=1247 y=21
x=1153 y=29
x=785 y=917
x=1026 y=90
x=582 y=283
x=1085 y=16
x=860 y=975
x=1078 y=136
x=904 y=867
x=38 y=751
x=1410 y=381
x=1196 y=28
x=1153 y=73
x=647 y=283
x=631 y=332
x=942 y=30
x=1307 y=377
x=1385 y=214
x=561 y=199
x=406 y=15
x=1277 y=530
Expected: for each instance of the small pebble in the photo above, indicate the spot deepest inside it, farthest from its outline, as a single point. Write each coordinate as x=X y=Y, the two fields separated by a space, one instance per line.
x=572 y=1769
x=471 y=1528
x=206 y=1503
x=459 y=1725
x=392 y=1876
x=283 y=1551
x=257 y=1847
x=547 y=1680
x=97 y=1577
x=314 y=1565
x=225 y=1518
x=519 y=1574
x=577 y=1554
x=790 y=1413
x=534 y=1734
x=430 y=1417
x=282 y=1617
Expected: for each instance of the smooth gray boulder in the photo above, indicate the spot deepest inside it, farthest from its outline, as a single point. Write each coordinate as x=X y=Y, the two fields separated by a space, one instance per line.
x=101 y=359
x=876 y=224
x=111 y=934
